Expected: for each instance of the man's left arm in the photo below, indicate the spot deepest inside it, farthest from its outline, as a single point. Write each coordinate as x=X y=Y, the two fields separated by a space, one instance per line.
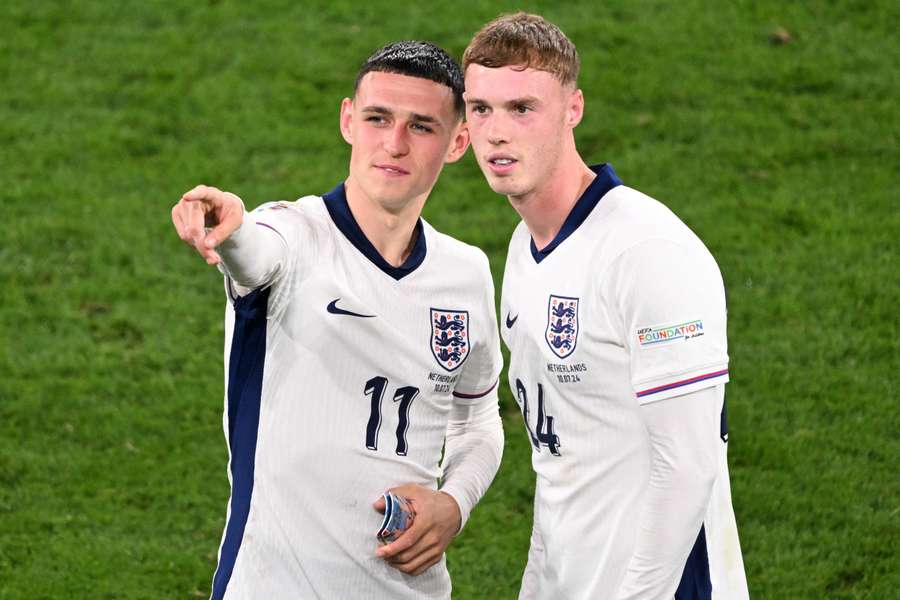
x=473 y=447
x=684 y=439
x=670 y=299
x=472 y=452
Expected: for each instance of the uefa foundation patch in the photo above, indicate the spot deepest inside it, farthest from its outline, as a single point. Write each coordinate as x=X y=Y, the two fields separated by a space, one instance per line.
x=649 y=336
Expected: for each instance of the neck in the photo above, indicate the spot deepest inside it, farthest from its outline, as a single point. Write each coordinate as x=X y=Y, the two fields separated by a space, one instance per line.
x=391 y=230
x=545 y=208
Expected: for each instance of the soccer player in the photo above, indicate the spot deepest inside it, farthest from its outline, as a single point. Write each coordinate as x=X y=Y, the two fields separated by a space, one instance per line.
x=615 y=321
x=361 y=343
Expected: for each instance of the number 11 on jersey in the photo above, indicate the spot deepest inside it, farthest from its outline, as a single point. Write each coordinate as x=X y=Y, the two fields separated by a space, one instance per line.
x=545 y=434
x=405 y=395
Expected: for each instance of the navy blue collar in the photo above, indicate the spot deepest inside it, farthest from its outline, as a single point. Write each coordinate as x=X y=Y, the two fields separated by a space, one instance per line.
x=336 y=203
x=605 y=180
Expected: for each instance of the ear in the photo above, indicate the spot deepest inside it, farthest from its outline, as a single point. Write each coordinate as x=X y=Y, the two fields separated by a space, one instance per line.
x=347 y=120
x=459 y=144
x=574 y=108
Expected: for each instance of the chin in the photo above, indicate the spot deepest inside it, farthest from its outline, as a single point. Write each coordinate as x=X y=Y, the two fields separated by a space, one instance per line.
x=503 y=186
x=390 y=190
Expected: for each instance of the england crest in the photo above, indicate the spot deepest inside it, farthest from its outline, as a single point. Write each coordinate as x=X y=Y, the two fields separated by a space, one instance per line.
x=449 y=337
x=562 y=325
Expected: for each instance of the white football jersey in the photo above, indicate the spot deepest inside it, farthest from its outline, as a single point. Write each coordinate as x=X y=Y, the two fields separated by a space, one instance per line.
x=339 y=377
x=625 y=306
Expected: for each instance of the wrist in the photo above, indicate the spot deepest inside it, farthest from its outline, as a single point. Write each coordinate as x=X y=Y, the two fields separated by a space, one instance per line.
x=453 y=506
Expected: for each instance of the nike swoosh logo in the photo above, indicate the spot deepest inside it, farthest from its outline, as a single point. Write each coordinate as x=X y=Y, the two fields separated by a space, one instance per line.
x=511 y=322
x=333 y=309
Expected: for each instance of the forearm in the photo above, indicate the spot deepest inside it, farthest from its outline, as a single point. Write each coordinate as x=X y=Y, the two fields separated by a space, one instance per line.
x=530 y=588
x=683 y=437
x=253 y=254
x=472 y=452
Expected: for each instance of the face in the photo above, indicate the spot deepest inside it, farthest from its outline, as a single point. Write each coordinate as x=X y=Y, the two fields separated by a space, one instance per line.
x=520 y=123
x=402 y=130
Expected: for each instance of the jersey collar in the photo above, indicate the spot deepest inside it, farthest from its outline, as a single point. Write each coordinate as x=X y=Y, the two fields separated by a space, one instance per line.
x=336 y=203
x=605 y=180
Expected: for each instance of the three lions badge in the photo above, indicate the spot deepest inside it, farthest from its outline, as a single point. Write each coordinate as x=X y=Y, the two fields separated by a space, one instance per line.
x=562 y=325
x=449 y=337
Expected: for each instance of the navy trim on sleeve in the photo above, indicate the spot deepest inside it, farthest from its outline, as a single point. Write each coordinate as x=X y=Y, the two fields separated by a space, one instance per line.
x=476 y=395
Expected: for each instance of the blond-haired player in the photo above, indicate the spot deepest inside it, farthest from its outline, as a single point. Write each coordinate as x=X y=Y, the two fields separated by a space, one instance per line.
x=615 y=320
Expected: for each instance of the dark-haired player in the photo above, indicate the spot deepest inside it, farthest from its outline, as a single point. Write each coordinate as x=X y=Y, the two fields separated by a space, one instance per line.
x=360 y=343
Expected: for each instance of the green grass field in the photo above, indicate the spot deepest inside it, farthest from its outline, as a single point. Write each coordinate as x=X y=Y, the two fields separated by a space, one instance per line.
x=782 y=156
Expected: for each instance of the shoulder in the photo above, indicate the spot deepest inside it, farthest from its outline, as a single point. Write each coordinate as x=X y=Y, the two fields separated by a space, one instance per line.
x=637 y=216
x=445 y=248
x=655 y=254
x=310 y=208
x=305 y=216
x=635 y=220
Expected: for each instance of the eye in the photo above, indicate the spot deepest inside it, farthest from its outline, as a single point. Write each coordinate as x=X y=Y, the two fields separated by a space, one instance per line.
x=479 y=109
x=375 y=120
x=422 y=128
x=521 y=108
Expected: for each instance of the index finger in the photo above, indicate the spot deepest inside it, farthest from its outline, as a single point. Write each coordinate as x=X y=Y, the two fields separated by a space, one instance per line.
x=230 y=217
x=201 y=192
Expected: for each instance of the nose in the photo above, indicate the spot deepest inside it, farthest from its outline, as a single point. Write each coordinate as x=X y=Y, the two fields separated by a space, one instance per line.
x=496 y=131
x=395 y=141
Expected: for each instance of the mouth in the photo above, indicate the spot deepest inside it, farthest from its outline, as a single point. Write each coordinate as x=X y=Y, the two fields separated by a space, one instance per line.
x=501 y=163
x=391 y=170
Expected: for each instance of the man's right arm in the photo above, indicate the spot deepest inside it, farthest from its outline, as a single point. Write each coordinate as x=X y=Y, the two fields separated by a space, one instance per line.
x=215 y=224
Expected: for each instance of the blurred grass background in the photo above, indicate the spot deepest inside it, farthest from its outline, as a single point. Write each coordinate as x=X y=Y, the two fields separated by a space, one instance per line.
x=769 y=127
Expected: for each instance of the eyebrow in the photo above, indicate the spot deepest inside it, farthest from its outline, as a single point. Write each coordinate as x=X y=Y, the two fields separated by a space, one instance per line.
x=512 y=102
x=418 y=117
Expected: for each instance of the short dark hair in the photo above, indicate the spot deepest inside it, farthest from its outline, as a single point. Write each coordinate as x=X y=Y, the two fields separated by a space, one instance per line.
x=417 y=59
x=521 y=40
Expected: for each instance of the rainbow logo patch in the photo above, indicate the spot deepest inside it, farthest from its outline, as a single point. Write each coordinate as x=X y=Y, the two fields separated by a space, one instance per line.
x=648 y=336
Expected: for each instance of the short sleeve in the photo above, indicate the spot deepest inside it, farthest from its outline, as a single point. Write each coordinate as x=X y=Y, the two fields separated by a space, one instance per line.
x=481 y=371
x=671 y=301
